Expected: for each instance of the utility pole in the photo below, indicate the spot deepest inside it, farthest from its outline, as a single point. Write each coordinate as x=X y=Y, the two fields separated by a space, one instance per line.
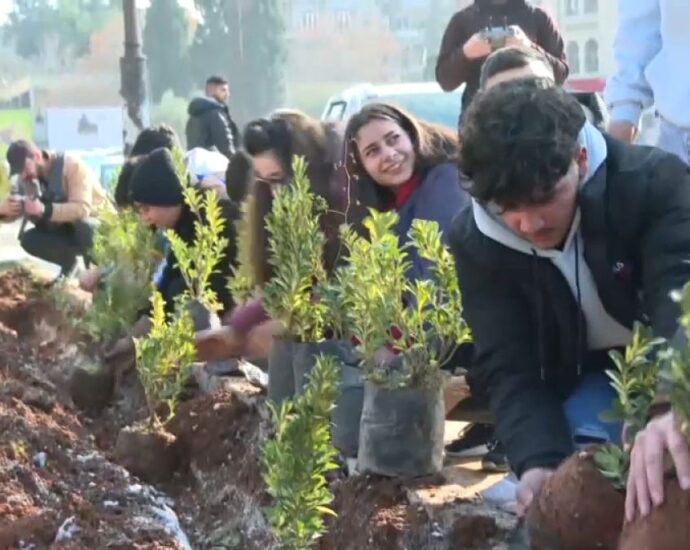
x=132 y=75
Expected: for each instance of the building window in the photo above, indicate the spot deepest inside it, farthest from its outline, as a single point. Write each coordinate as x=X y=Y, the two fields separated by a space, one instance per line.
x=591 y=56
x=309 y=20
x=343 y=19
x=572 y=52
x=572 y=7
x=591 y=6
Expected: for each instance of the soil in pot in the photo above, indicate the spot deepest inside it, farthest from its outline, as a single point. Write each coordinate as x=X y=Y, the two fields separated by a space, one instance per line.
x=153 y=455
x=281 y=378
x=401 y=431
x=577 y=509
x=91 y=387
x=667 y=527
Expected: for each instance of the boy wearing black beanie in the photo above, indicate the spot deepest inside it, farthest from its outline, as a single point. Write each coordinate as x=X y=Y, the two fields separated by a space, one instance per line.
x=156 y=193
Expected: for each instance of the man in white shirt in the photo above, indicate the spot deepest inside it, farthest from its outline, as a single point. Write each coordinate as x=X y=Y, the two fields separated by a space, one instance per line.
x=650 y=49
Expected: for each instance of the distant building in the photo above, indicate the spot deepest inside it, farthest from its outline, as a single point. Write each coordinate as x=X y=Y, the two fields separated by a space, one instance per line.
x=588 y=28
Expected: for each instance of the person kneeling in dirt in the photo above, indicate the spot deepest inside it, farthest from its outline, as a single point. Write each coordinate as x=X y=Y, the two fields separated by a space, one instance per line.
x=156 y=193
x=570 y=238
x=60 y=196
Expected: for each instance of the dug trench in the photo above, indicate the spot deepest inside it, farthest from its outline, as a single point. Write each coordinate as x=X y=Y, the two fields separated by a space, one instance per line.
x=62 y=487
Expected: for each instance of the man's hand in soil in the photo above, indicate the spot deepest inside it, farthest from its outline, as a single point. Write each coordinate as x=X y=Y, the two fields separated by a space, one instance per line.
x=519 y=39
x=529 y=486
x=11 y=207
x=476 y=47
x=646 y=478
x=623 y=130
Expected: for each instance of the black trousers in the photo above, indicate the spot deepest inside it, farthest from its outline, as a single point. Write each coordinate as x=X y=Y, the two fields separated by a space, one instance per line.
x=60 y=243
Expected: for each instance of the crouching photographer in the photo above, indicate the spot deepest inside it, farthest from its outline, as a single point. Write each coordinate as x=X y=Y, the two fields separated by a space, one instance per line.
x=60 y=196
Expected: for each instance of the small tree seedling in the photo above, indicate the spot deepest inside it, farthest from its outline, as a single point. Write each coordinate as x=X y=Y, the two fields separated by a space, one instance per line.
x=163 y=359
x=297 y=459
x=296 y=247
x=421 y=320
x=635 y=381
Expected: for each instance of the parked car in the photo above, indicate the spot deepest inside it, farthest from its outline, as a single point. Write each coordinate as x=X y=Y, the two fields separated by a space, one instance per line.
x=425 y=100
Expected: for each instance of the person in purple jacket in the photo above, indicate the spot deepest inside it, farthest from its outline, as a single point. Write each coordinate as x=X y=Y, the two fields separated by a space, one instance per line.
x=399 y=163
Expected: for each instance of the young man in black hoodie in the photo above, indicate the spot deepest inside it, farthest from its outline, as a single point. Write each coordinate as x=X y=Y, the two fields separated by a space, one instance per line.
x=210 y=124
x=465 y=45
x=570 y=238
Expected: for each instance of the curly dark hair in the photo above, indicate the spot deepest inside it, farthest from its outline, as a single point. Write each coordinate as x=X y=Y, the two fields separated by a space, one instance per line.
x=518 y=140
x=433 y=145
x=154 y=137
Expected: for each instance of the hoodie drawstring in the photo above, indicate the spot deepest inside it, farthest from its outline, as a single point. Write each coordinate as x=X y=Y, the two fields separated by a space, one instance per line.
x=579 y=306
x=540 y=315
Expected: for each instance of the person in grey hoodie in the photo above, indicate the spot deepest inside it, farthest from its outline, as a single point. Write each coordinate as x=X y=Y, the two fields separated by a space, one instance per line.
x=210 y=125
x=571 y=238
x=399 y=163
x=650 y=50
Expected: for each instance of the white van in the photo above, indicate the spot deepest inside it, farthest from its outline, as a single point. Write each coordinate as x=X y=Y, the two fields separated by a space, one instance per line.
x=425 y=100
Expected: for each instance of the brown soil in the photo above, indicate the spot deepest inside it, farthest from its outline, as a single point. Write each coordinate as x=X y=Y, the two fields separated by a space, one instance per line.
x=218 y=491
x=91 y=388
x=577 y=509
x=472 y=532
x=666 y=527
x=153 y=455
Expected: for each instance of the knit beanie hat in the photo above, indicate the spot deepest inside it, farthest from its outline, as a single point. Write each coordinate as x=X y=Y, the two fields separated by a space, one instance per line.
x=155 y=182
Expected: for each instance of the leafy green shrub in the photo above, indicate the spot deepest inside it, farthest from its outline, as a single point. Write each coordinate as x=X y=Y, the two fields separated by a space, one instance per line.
x=200 y=260
x=635 y=381
x=127 y=248
x=164 y=357
x=379 y=297
x=677 y=377
x=296 y=246
x=298 y=458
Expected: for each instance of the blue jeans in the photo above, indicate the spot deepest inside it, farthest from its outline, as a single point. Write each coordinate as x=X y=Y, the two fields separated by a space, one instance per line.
x=582 y=409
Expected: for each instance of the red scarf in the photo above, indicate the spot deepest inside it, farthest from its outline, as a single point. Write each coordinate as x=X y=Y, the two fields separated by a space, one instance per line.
x=404 y=192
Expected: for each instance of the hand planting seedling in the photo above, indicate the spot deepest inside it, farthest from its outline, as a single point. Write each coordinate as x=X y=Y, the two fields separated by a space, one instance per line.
x=667 y=525
x=582 y=504
x=297 y=460
x=164 y=356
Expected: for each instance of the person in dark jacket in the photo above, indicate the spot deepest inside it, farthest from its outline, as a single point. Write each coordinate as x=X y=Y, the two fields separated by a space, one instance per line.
x=570 y=238
x=210 y=124
x=464 y=46
x=399 y=163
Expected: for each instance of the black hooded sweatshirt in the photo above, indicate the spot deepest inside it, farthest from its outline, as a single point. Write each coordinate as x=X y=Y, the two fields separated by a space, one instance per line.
x=210 y=125
x=453 y=68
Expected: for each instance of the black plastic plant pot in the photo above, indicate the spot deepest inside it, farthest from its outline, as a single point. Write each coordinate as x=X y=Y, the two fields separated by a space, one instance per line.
x=401 y=432
x=281 y=378
x=348 y=407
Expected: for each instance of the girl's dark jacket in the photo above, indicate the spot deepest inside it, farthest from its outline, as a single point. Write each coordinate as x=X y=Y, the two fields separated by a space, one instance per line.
x=635 y=225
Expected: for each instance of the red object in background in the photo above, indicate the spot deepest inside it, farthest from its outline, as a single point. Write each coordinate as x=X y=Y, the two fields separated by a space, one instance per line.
x=585 y=85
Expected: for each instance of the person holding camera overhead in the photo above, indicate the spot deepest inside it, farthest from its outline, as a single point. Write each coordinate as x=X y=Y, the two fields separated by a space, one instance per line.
x=60 y=196
x=487 y=25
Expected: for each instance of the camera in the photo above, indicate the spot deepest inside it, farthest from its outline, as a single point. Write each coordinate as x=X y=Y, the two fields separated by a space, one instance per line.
x=497 y=36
